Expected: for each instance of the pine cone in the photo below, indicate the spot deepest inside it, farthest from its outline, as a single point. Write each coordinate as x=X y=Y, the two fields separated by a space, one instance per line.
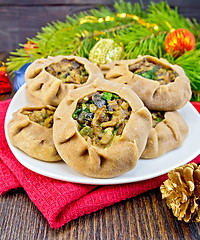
x=182 y=192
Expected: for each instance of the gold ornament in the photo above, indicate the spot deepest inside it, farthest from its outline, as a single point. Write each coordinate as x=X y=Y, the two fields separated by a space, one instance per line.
x=92 y=19
x=105 y=50
x=182 y=192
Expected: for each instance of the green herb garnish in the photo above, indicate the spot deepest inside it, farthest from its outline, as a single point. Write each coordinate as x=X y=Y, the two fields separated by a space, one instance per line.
x=84 y=73
x=90 y=101
x=158 y=119
x=77 y=111
x=115 y=131
x=87 y=110
x=115 y=96
x=150 y=74
x=62 y=77
x=107 y=96
x=84 y=107
x=81 y=125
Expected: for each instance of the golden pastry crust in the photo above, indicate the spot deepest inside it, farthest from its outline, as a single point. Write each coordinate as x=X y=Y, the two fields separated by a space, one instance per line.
x=167 y=135
x=31 y=137
x=105 y=68
x=79 y=152
x=44 y=88
x=155 y=96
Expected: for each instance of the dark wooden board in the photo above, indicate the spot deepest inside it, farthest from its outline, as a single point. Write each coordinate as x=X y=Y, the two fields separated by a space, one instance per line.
x=179 y=3
x=144 y=217
x=25 y=21
x=53 y=2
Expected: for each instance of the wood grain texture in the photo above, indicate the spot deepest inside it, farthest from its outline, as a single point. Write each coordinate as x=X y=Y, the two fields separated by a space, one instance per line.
x=173 y=3
x=24 y=18
x=19 y=22
x=144 y=217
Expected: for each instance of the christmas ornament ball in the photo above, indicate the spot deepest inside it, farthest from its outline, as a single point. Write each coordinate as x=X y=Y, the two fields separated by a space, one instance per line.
x=105 y=50
x=179 y=41
x=5 y=85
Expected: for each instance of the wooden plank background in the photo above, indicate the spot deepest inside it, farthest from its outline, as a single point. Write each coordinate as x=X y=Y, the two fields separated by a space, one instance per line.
x=24 y=18
x=144 y=217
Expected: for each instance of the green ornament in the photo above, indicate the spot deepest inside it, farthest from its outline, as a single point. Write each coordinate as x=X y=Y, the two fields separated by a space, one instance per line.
x=105 y=50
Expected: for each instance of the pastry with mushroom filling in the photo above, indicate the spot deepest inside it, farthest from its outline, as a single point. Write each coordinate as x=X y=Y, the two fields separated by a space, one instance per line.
x=105 y=68
x=168 y=132
x=160 y=85
x=100 y=130
x=31 y=130
x=102 y=116
x=49 y=80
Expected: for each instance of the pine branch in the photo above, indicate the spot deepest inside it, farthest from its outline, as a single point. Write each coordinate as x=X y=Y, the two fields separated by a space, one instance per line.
x=169 y=19
x=127 y=7
x=142 y=32
x=195 y=96
x=190 y=62
x=148 y=45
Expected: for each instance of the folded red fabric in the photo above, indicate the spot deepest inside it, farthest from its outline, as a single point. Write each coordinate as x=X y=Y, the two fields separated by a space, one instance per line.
x=60 y=201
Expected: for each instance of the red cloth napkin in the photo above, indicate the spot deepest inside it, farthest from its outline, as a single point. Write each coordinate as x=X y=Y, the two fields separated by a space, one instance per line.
x=60 y=201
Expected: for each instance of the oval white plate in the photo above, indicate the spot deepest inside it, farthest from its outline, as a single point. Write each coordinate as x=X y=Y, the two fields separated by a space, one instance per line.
x=145 y=169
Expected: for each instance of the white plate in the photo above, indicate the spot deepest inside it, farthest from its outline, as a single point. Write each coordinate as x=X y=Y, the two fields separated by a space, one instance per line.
x=145 y=169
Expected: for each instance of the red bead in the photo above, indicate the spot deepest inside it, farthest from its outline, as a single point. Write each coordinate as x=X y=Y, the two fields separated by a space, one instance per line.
x=29 y=46
x=179 y=41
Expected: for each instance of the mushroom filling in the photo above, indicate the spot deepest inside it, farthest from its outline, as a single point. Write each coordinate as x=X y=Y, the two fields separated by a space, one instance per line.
x=102 y=116
x=156 y=118
x=43 y=117
x=68 y=71
x=151 y=70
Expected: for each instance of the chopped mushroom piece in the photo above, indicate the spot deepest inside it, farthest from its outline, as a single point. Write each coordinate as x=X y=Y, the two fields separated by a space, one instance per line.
x=153 y=71
x=102 y=116
x=156 y=118
x=69 y=71
x=43 y=117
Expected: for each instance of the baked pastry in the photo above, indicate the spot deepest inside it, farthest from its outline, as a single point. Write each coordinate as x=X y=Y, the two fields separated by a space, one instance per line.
x=31 y=131
x=100 y=130
x=105 y=68
x=160 y=85
x=168 y=132
x=49 y=80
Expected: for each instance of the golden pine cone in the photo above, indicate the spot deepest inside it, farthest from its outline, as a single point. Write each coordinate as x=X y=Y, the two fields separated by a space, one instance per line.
x=182 y=192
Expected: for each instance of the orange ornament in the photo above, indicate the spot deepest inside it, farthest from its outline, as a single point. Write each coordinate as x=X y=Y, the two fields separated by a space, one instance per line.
x=179 y=41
